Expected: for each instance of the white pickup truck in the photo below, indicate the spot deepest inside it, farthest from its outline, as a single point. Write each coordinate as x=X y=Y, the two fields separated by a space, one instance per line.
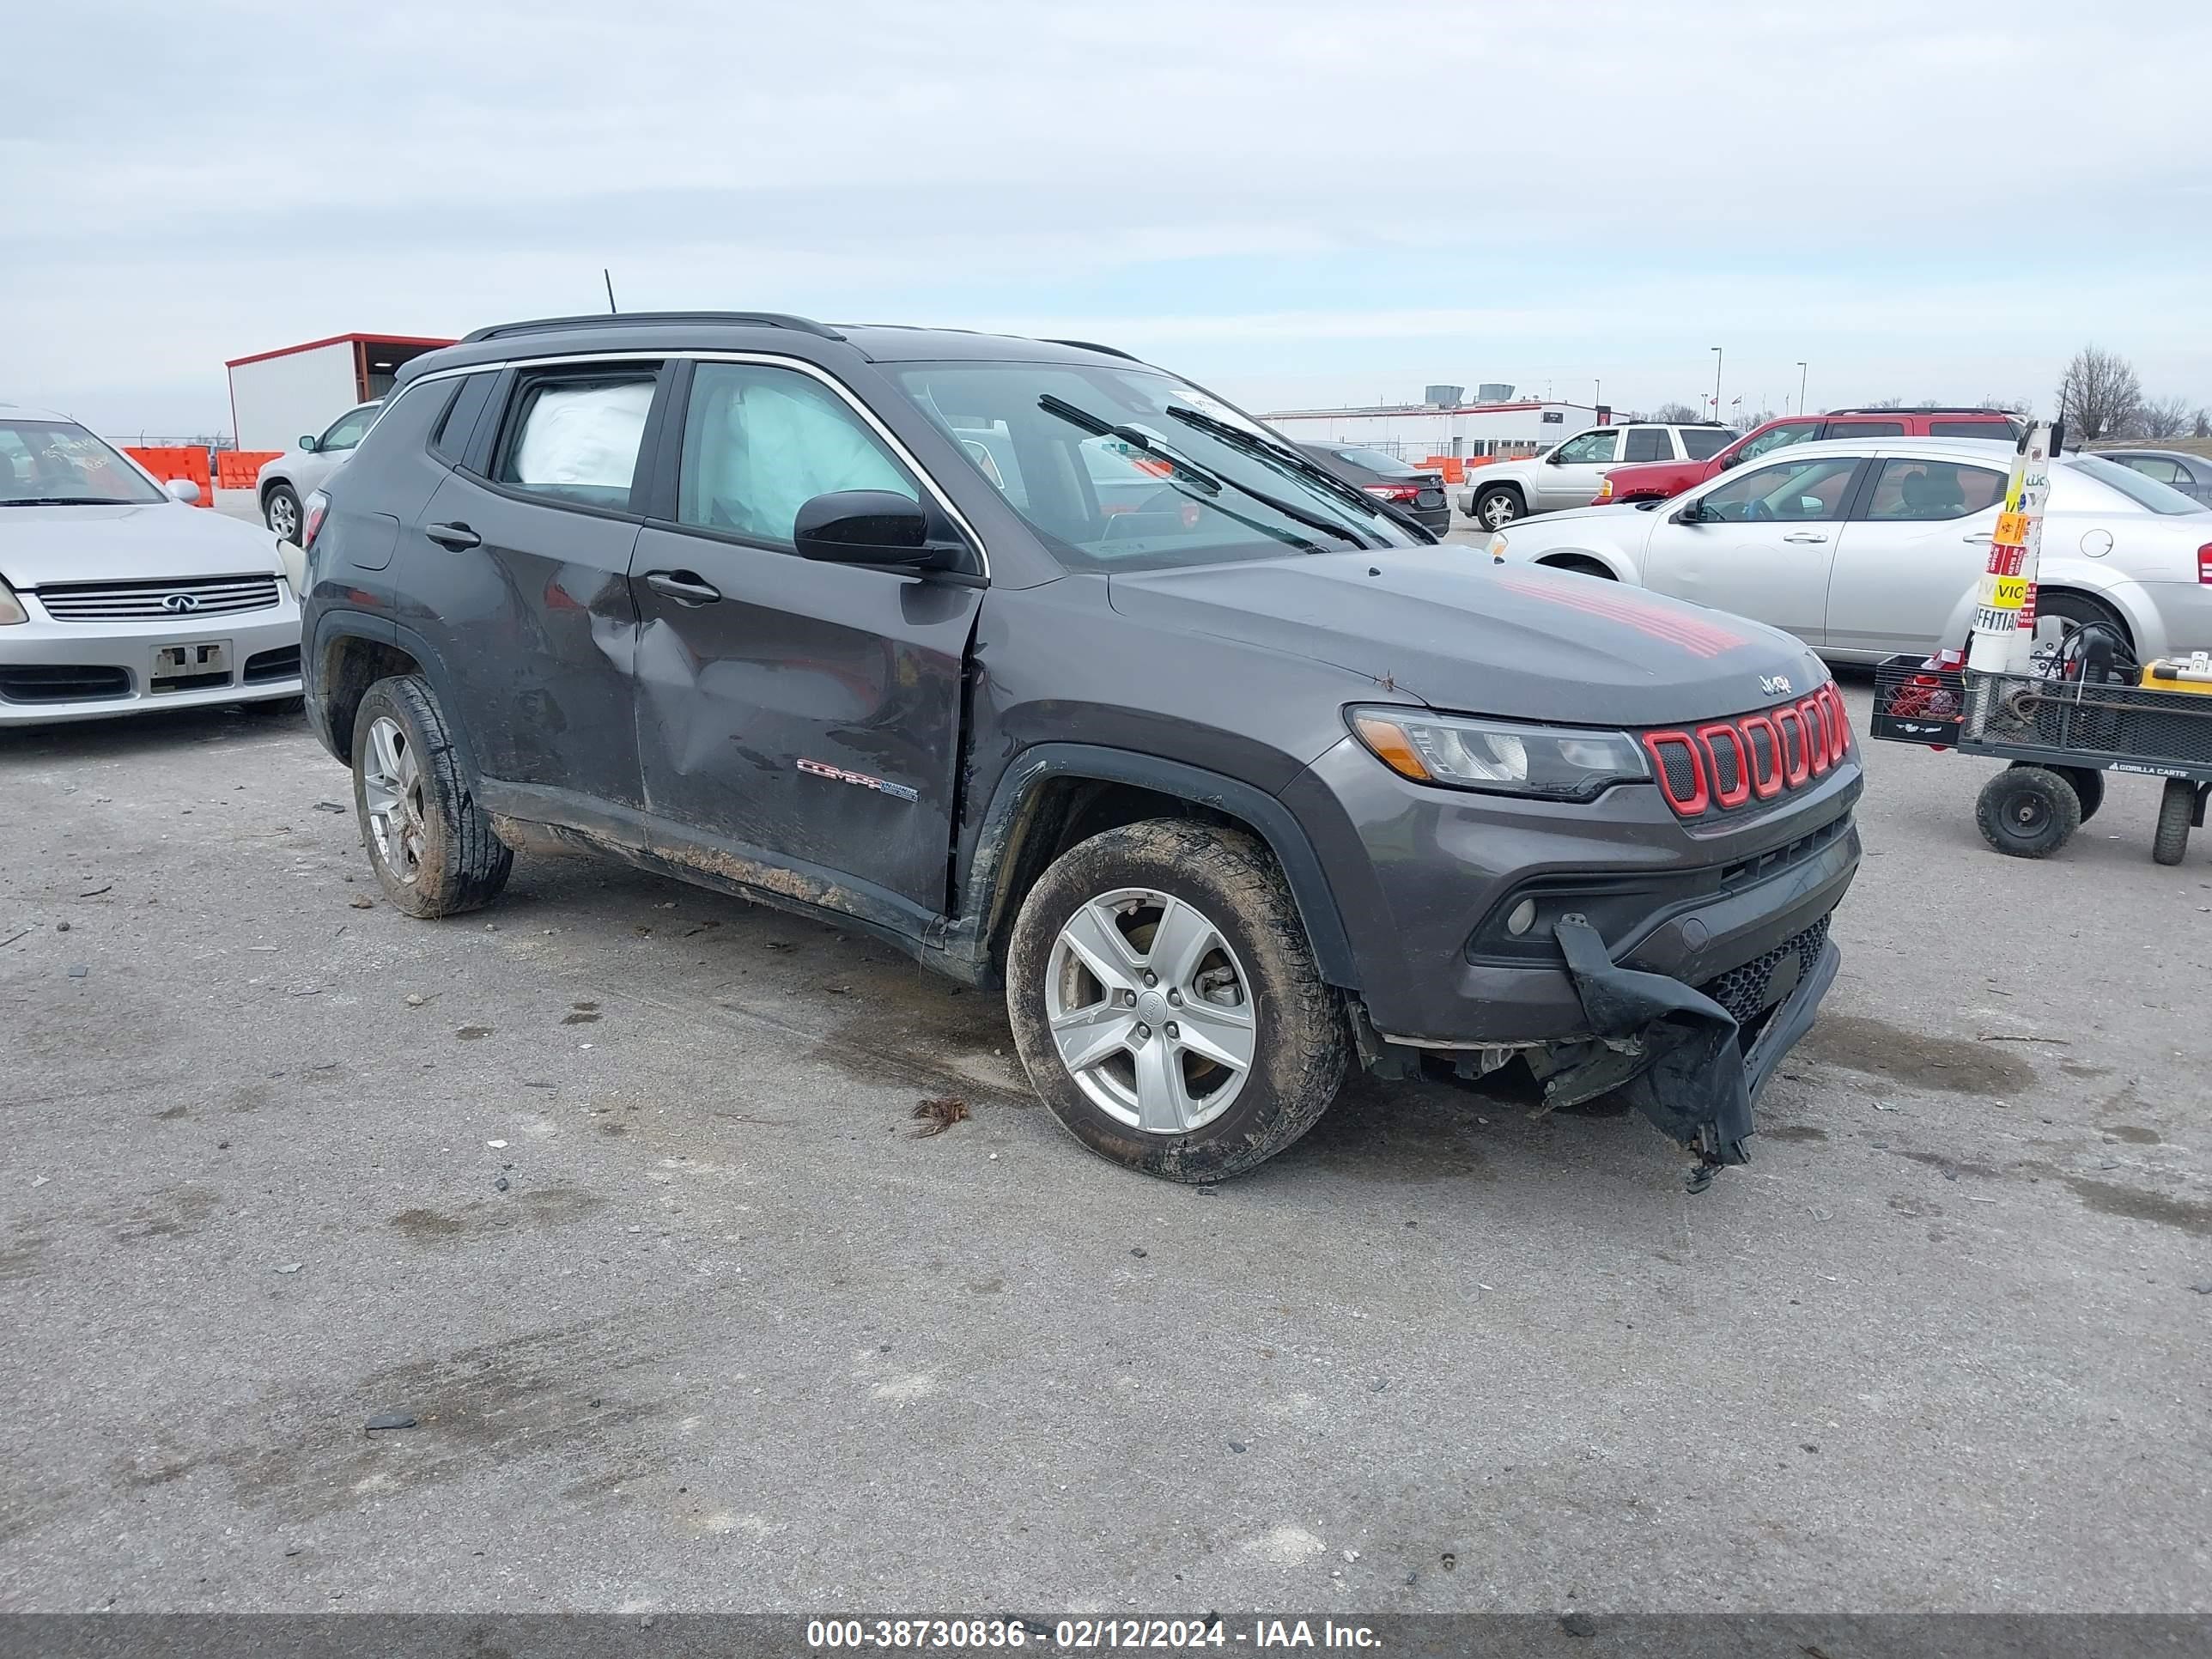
x=1570 y=472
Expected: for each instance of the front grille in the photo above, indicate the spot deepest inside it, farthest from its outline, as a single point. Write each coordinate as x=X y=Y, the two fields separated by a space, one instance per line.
x=63 y=684
x=1744 y=990
x=1746 y=759
x=180 y=600
x=281 y=664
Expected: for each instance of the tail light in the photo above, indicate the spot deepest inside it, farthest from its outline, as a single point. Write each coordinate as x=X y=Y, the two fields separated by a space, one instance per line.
x=2204 y=564
x=1400 y=492
x=312 y=512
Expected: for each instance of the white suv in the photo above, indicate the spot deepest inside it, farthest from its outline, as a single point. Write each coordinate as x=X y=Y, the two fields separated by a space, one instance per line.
x=1571 y=473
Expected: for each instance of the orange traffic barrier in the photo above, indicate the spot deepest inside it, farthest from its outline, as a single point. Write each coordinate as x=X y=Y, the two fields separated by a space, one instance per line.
x=170 y=464
x=1448 y=465
x=235 y=469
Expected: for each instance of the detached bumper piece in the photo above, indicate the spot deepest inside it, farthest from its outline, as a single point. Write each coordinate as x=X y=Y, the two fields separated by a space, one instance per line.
x=1684 y=1060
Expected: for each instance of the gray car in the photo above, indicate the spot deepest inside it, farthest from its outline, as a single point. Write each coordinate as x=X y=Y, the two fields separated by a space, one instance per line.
x=2178 y=469
x=1066 y=678
x=118 y=596
x=283 y=484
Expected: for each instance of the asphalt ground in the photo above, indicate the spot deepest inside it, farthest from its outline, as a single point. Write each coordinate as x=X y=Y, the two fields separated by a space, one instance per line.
x=732 y=1336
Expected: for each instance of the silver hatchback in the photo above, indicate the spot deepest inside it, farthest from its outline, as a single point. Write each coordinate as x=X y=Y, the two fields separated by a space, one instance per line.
x=118 y=596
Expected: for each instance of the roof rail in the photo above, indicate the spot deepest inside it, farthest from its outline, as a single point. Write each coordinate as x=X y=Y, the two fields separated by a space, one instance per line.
x=627 y=319
x=1093 y=345
x=1929 y=409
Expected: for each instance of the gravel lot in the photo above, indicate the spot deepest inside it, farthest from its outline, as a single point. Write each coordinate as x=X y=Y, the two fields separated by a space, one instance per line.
x=733 y=1337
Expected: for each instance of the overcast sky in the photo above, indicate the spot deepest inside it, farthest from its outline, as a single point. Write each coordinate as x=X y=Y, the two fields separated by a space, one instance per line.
x=1297 y=202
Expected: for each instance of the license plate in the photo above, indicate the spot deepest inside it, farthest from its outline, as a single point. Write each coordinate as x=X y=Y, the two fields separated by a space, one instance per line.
x=187 y=667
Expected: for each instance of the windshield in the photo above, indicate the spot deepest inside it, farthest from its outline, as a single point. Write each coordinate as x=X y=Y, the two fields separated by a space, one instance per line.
x=2143 y=492
x=1374 y=460
x=1128 y=469
x=58 y=462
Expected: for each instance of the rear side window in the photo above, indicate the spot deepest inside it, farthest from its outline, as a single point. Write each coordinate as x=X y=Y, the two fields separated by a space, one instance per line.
x=759 y=443
x=2000 y=430
x=576 y=438
x=1924 y=491
x=1646 y=443
x=1704 y=442
x=1865 y=429
x=456 y=423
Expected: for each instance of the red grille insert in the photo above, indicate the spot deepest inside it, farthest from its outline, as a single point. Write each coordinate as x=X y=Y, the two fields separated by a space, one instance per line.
x=1721 y=765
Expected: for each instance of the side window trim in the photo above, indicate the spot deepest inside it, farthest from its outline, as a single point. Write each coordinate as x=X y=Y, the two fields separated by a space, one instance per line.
x=1860 y=496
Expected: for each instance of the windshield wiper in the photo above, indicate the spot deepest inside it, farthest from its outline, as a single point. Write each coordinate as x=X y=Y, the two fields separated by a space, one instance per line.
x=1275 y=454
x=1136 y=437
x=61 y=501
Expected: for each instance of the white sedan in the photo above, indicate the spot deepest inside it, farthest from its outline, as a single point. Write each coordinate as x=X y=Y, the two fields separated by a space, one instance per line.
x=1867 y=548
x=116 y=596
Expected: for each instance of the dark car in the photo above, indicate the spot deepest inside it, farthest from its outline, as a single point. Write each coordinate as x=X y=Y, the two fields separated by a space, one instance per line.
x=1419 y=495
x=1227 y=787
x=2177 y=468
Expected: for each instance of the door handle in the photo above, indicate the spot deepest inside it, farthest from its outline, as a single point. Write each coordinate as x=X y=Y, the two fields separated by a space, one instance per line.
x=457 y=537
x=682 y=586
x=1983 y=536
x=1804 y=536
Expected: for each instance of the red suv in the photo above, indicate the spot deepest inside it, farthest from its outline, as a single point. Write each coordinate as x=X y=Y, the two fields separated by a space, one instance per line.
x=1654 y=481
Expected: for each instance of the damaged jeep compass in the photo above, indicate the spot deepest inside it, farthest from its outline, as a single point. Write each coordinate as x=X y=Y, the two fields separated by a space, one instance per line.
x=1064 y=676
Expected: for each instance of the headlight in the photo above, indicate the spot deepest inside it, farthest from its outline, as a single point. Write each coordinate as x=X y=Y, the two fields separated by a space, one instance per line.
x=1553 y=763
x=1498 y=548
x=1604 y=491
x=11 y=608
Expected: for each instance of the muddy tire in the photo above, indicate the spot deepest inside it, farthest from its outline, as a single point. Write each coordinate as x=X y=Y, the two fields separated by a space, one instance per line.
x=430 y=844
x=2176 y=808
x=2027 y=811
x=1167 y=1005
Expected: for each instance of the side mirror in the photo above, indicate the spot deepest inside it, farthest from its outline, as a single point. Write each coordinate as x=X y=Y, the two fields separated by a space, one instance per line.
x=1728 y=461
x=183 y=490
x=1555 y=459
x=307 y=443
x=871 y=526
x=1693 y=514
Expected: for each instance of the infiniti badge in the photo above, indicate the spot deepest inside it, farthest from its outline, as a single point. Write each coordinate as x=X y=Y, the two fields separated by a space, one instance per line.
x=178 y=604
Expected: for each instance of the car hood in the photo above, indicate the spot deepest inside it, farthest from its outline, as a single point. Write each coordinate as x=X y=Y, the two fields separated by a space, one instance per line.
x=1643 y=471
x=42 y=544
x=1626 y=513
x=1447 y=626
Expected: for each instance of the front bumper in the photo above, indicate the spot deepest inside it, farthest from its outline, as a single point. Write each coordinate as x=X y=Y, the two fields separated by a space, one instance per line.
x=1422 y=877
x=51 y=671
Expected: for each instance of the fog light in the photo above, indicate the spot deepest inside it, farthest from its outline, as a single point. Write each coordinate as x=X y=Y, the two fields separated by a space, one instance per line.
x=1521 y=918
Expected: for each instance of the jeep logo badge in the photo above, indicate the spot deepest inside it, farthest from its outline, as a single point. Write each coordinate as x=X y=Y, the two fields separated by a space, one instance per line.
x=178 y=605
x=1775 y=685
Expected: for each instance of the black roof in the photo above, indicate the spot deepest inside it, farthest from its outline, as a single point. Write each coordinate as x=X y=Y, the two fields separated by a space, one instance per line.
x=711 y=331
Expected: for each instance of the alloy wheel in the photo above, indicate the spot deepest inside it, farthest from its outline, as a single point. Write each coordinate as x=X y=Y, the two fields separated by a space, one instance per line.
x=392 y=788
x=1150 y=1010
x=283 y=518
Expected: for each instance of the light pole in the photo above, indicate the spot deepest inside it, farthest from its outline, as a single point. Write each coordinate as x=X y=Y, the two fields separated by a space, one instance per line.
x=1597 y=392
x=1800 y=385
x=1717 y=360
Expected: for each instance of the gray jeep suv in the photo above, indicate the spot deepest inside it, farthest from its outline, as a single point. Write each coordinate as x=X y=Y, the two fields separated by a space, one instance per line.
x=1060 y=674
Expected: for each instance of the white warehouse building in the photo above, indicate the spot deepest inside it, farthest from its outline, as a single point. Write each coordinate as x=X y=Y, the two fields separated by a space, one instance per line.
x=1462 y=430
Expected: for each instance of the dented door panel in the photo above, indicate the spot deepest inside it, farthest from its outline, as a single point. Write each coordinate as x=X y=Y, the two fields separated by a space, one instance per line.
x=813 y=712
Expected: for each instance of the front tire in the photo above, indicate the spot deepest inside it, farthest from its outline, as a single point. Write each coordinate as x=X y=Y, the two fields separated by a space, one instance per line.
x=280 y=510
x=2177 y=807
x=2027 y=811
x=1497 y=507
x=1167 y=1005
x=430 y=844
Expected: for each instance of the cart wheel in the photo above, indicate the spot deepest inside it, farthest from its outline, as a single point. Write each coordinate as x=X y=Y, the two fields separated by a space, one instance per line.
x=2027 y=811
x=2088 y=786
x=2175 y=808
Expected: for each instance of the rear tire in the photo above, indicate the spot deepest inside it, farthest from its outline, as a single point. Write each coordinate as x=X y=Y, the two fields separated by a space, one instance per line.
x=1146 y=947
x=2177 y=807
x=1497 y=507
x=2027 y=811
x=430 y=844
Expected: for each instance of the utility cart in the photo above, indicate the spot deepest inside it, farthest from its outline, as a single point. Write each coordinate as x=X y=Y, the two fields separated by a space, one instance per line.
x=2078 y=716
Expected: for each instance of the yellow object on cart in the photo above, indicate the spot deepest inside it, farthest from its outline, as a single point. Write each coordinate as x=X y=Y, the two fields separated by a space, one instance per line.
x=2190 y=673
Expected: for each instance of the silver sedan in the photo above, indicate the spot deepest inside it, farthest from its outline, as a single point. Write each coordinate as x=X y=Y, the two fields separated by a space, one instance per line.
x=1867 y=548
x=118 y=596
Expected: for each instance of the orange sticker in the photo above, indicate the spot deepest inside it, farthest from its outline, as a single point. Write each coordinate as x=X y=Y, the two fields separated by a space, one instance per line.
x=2012 y=529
